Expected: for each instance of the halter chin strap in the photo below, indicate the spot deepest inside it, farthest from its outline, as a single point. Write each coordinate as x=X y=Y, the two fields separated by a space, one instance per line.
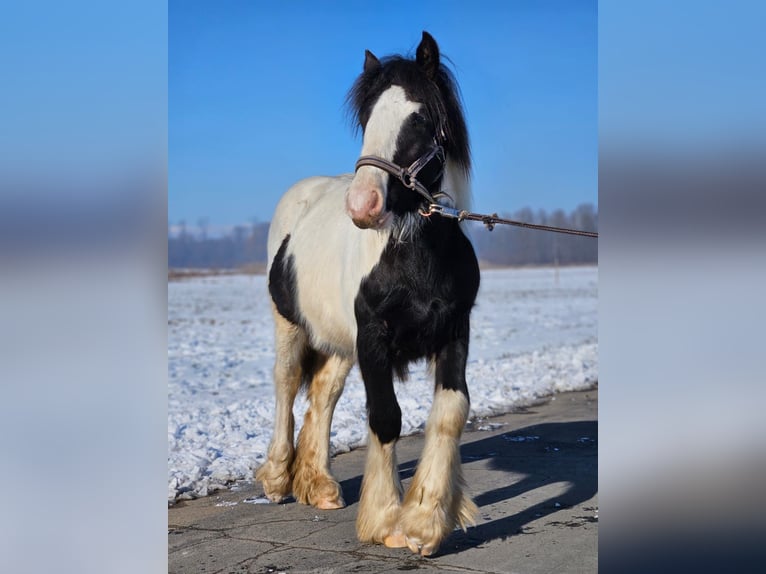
x=408 y=176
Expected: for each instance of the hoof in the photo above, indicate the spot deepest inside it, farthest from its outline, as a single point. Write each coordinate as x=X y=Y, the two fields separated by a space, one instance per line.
x=276 y=481
x=417 y=548
x=276 y=498
x=330 y=503
x=395 y=540
x=319 y=491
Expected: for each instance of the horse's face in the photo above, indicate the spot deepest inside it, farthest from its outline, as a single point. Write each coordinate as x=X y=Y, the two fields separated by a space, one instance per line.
x=399 y=132
x=397 y=127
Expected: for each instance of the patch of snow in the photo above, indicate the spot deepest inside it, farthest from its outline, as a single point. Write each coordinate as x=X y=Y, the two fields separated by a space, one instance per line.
x=531 y=336
x=257 y=500
x=490 y=426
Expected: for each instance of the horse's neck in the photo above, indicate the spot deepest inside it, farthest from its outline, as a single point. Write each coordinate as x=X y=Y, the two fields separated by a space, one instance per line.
x=457 y=185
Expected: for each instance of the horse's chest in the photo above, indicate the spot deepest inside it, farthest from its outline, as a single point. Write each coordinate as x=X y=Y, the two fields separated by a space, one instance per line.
x=415 y=307
x=420 y=322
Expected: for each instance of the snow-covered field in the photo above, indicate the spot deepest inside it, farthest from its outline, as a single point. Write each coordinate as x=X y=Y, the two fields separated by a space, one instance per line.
x=533 y=333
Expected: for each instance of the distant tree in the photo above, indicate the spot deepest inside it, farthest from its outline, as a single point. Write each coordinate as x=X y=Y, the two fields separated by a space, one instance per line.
x=585 y=219
x=560 y=247
x=240 y=235
x=203 y=223
x=257 y=242
x=505 y=245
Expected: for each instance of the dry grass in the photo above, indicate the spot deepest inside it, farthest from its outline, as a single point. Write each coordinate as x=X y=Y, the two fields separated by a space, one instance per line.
x=250 y=269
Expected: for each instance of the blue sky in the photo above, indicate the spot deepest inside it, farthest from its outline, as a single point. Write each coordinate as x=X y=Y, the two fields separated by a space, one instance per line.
x=256 y=93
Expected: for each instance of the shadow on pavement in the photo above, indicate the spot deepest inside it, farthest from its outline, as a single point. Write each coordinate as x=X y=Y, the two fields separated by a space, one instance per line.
x=543 y=454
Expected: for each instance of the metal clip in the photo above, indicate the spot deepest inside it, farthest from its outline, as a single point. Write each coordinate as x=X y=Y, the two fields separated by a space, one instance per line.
x=442 y=210
x=429 y=212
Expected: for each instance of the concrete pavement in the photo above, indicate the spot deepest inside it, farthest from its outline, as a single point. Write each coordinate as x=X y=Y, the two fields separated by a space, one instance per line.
x=532 y=473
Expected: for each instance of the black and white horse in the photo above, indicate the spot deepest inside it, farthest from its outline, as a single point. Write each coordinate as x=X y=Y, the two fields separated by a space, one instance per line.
x=359 y=273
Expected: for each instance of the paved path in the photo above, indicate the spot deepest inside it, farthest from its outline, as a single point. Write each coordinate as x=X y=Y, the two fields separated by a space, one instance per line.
x=533 y=475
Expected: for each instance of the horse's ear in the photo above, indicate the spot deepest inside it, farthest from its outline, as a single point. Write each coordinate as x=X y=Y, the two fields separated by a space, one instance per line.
x=370 y=61
x=427 y=55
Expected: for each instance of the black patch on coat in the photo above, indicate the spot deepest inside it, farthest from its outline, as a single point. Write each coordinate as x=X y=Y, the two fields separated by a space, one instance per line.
x=414 y=141
x=312 y=362
x=284 y=293
x=420 y=292
x=283 y=284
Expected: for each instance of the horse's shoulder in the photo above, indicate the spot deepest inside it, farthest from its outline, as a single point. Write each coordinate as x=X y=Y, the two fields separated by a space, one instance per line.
x=303 y=197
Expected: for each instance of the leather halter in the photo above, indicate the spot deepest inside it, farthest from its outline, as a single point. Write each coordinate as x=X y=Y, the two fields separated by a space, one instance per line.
x=408 y=176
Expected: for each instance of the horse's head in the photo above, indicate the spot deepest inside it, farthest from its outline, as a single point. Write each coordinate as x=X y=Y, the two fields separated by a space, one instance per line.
x=410 y=115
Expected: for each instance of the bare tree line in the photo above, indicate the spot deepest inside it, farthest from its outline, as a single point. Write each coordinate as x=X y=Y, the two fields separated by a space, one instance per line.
x=245 y=245
x=196 y=249
x=507 y=245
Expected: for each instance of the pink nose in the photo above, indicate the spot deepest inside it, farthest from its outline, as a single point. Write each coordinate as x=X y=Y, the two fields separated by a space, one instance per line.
x=365 y=206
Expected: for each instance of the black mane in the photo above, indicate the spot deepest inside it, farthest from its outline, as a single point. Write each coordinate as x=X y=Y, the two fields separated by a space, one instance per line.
x=440 y=96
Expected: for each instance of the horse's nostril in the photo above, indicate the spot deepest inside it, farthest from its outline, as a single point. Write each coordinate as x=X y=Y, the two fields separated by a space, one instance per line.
x=361 y=223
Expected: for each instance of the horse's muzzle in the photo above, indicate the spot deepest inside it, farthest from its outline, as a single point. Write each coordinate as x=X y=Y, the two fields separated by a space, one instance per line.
x=365 y=208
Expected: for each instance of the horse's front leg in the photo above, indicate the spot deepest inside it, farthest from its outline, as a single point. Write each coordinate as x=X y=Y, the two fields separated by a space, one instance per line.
x=380 y=498
x=435 y=501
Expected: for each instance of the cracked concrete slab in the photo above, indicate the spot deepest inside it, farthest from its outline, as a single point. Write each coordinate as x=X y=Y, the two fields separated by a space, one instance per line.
x=533 y=474
x=221 y=554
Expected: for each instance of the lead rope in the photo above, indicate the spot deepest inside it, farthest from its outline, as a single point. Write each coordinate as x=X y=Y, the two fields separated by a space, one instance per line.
x=491 y=220
x=408 y=176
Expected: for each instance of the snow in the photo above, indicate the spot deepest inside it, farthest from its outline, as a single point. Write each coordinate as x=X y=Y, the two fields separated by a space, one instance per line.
x=533 y=333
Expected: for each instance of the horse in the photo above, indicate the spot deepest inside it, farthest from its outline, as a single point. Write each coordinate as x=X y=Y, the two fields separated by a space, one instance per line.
x=359 y=273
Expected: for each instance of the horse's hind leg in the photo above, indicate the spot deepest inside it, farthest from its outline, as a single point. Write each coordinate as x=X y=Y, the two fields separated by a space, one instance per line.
x=435 y=501
x=291 y=346
x=312 y=482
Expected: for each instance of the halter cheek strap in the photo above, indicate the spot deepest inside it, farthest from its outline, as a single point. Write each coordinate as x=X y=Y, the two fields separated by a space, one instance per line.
x=408 y=176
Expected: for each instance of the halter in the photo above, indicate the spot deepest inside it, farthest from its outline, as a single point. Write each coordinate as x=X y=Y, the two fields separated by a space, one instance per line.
x=409 y=176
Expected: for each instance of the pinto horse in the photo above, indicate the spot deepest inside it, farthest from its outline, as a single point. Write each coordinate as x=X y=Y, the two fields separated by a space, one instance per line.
x=359 y=273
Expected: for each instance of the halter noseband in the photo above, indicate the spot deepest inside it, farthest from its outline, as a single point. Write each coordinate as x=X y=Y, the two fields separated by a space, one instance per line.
x=408 y=176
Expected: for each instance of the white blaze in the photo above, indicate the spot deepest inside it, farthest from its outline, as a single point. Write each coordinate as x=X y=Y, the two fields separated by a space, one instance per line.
x=386 y=119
